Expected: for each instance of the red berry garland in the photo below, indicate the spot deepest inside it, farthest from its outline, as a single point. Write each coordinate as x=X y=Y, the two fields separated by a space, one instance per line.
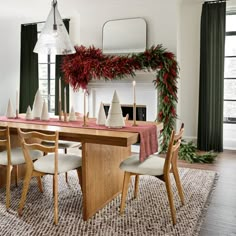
x=89 y=63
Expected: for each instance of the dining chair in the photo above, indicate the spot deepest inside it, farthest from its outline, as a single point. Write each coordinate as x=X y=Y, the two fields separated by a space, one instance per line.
x=65 y=145
x=156 y=166
x=12 y=158
x=53 y=163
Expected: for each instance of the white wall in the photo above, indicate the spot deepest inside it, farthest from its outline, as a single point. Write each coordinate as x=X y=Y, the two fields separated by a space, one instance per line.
x=173 y=23
x=188 y=57
x=87 y=19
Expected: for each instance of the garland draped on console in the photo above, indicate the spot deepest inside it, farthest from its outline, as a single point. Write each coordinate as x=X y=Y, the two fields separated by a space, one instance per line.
x=89 y=63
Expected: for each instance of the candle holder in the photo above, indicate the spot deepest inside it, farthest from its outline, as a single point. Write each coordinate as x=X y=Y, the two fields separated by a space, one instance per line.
x=85 y=121
x=134 y=115
x=59 y=109
x=65 y=117
x=17 y=114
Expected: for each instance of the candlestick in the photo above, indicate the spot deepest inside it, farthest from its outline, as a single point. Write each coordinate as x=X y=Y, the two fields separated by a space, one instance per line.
x=59 y=99
x=84 y=108
x=17 y=103
x=59 y=92
x=134 y=115
x=134 y=91
x=65 y=109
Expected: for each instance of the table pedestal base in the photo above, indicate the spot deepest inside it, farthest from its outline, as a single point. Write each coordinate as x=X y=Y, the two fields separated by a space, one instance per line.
x=102 y=178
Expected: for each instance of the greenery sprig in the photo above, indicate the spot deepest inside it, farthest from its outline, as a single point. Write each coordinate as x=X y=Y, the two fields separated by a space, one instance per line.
x=188 y=152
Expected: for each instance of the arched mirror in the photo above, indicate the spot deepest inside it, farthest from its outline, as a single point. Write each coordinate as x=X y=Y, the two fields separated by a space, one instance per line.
x=124 y=36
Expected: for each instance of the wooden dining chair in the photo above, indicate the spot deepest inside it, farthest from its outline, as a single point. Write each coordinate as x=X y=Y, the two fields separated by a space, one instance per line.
x=155 y=166
x=12 y=157
x=65 y=145
x=53 y=163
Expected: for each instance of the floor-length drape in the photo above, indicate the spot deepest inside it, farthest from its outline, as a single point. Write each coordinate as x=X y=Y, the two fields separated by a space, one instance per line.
x=59 y=74
x=211 y=90
x=28 y=67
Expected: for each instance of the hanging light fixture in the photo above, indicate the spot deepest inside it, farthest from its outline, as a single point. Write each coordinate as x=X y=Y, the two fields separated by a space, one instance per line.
x=54 y=38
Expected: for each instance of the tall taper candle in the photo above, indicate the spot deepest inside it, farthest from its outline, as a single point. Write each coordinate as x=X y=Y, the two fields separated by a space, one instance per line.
x=17 y=103
x=59 y=98
x=134 y=106
x=134 y=91
x=84 y=108
x=59 y=92
x=65 y=110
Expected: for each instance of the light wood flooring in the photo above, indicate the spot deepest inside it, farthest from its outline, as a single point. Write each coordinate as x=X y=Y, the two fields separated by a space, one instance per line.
x=221 y=214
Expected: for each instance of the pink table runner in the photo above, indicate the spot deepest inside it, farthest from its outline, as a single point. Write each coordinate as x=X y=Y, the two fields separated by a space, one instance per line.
x=147 y=132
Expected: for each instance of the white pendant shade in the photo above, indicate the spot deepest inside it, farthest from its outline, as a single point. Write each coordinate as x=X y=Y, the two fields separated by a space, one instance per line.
x=54 y=38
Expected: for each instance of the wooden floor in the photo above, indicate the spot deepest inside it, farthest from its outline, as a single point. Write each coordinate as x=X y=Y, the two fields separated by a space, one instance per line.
x=221 y=214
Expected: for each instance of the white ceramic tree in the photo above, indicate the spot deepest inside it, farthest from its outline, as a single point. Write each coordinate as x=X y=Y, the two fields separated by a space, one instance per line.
x=115 y=118
x=101 y=118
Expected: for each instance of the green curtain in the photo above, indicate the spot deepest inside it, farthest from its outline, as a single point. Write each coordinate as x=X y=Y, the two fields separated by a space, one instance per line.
x=59 y=74
x=28 y=67
x=211 y=89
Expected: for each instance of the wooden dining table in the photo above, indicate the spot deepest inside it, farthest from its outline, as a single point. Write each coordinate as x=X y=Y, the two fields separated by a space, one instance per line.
x=102 y=153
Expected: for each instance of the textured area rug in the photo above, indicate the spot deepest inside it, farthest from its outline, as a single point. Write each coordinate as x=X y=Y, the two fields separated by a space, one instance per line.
x=149 y=214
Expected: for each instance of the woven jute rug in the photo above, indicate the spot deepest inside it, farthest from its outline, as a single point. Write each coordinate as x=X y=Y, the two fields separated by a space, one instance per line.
x=149 y=214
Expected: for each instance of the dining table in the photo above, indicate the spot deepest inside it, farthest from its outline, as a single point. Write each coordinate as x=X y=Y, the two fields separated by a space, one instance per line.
x=103 y=149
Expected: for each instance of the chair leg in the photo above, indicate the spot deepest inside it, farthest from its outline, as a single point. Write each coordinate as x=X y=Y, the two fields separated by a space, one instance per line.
x=24 y=191
x=8 y=186
x=40 y=184
x=170 y=198
x=124 y=191
x=16 y=175
x=79 y=173
x=178 y=184
x=66 y=175
x=55 y=184
x=136 y=186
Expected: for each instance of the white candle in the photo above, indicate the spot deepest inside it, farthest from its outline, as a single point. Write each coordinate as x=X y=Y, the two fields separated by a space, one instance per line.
x=59 y=89
x=17 y=100
x=84 y=102
x=134 y=92
x=65 y=110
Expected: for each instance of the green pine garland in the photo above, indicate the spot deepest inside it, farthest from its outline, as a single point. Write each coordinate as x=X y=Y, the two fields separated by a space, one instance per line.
x=188 y=152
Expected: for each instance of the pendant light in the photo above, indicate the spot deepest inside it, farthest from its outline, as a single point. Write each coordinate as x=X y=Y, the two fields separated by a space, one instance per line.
x=54 y=38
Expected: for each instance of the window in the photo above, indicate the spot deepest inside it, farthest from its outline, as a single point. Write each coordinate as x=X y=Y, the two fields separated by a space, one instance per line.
x=46 y=72
x=230 y=70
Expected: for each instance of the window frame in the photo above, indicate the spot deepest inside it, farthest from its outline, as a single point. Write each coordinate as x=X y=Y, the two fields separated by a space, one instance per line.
x=49 y=79
x=231 y=120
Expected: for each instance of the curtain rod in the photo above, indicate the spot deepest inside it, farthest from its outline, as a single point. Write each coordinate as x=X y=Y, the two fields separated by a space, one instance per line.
x=39 y=22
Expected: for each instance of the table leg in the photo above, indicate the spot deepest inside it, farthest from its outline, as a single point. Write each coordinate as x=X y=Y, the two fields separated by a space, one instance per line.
x=102 y=178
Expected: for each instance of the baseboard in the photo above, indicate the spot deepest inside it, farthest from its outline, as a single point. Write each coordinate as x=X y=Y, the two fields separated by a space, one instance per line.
x=229 y=144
